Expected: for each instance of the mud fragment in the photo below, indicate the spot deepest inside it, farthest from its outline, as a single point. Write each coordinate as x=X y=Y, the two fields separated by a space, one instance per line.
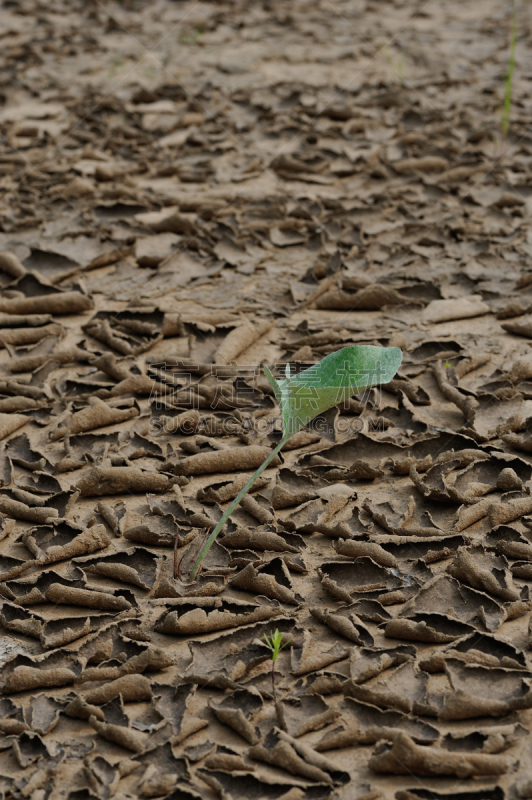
x=406 y=757
x=227 y=460
x=206 y=614
x=119 y=480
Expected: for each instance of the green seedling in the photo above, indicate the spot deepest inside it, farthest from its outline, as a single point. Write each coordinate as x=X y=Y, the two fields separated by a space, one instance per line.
x=331 y=381
x=192 y=37
x=507 y=103
x=275 y=644
x=507 y=106
x=396 y=65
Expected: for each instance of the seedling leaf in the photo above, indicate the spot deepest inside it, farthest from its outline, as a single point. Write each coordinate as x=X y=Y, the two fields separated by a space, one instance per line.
x=332 y=381
x=301 y=398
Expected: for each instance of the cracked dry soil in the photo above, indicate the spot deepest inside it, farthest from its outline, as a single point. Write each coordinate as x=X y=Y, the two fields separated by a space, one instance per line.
x=191 y=190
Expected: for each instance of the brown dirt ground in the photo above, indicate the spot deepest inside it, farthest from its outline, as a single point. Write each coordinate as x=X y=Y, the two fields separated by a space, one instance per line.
x=192 y=185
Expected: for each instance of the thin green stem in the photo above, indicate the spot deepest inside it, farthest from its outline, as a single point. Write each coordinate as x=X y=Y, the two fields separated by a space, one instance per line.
x=242 y=493
x=507 y=105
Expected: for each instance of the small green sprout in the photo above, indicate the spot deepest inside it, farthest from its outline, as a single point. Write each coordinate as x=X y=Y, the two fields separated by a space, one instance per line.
x=447 y=365
x=191 y=37
x=331 y=381
x=507 y=105
x=275 y=644
x=396 y=65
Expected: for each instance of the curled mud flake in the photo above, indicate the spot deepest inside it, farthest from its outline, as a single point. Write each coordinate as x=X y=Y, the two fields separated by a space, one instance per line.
x=480 y=649
x=271 y=579
x=14 y=618
x=521 y=370
x=120 y=480
x=368 y=298
x=283 y=497
x=43 y=713
x=512 y=309
x=445 y=594
x=426 y=549
x=522 y=569
x=362 y=471
x=11 y=567
x=58 y=593
x=11 y=265
x=416 y=394
x=508 y=480
x=301 y=715
x=58 y=632
x=227 y=460
x=345 y=580
x=56 y=303
x=457 y=308
x=133 y=688
x=509 y=691
x=368 y=662
x=260 y=511
x=404 y=690
x=226 y=760
x=19 y=337
x=20 y=404
x=50 y=544
x=18 y=510
x=421 y=163
x=22 y=673
x=237 y=711
x=225 y=491
x=135 y=658
x=161 y=767
x=469 y=514
x=239 y=339
x=263 y=540
x=405 y=757
x=300 y=439
x=283 y=750
x=205 y=614
x=97 y=415
x=155 y=784
x=521 y=442
x=346 y=624
x=312 y=656
x=484 y=571
x=521 y=328
x=509 y=509
x=150 y=534
x=109 y=516
x=408 y=522
x=510 y=542
x=34 y=361
x=354 y=548
x=427 y=627
x=138 y=567
x=367 y=724
x=128 y=738
x=466 y=403
x=331 y=515
x=9 y=423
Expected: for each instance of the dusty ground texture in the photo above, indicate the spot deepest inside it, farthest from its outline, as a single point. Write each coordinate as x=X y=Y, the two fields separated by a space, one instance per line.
x=191 y=190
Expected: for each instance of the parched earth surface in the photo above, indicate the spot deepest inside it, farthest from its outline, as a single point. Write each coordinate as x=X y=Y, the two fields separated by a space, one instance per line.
x=191 y=190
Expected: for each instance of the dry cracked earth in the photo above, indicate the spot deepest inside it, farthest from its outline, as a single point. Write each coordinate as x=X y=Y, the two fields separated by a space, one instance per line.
x=189 y=191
